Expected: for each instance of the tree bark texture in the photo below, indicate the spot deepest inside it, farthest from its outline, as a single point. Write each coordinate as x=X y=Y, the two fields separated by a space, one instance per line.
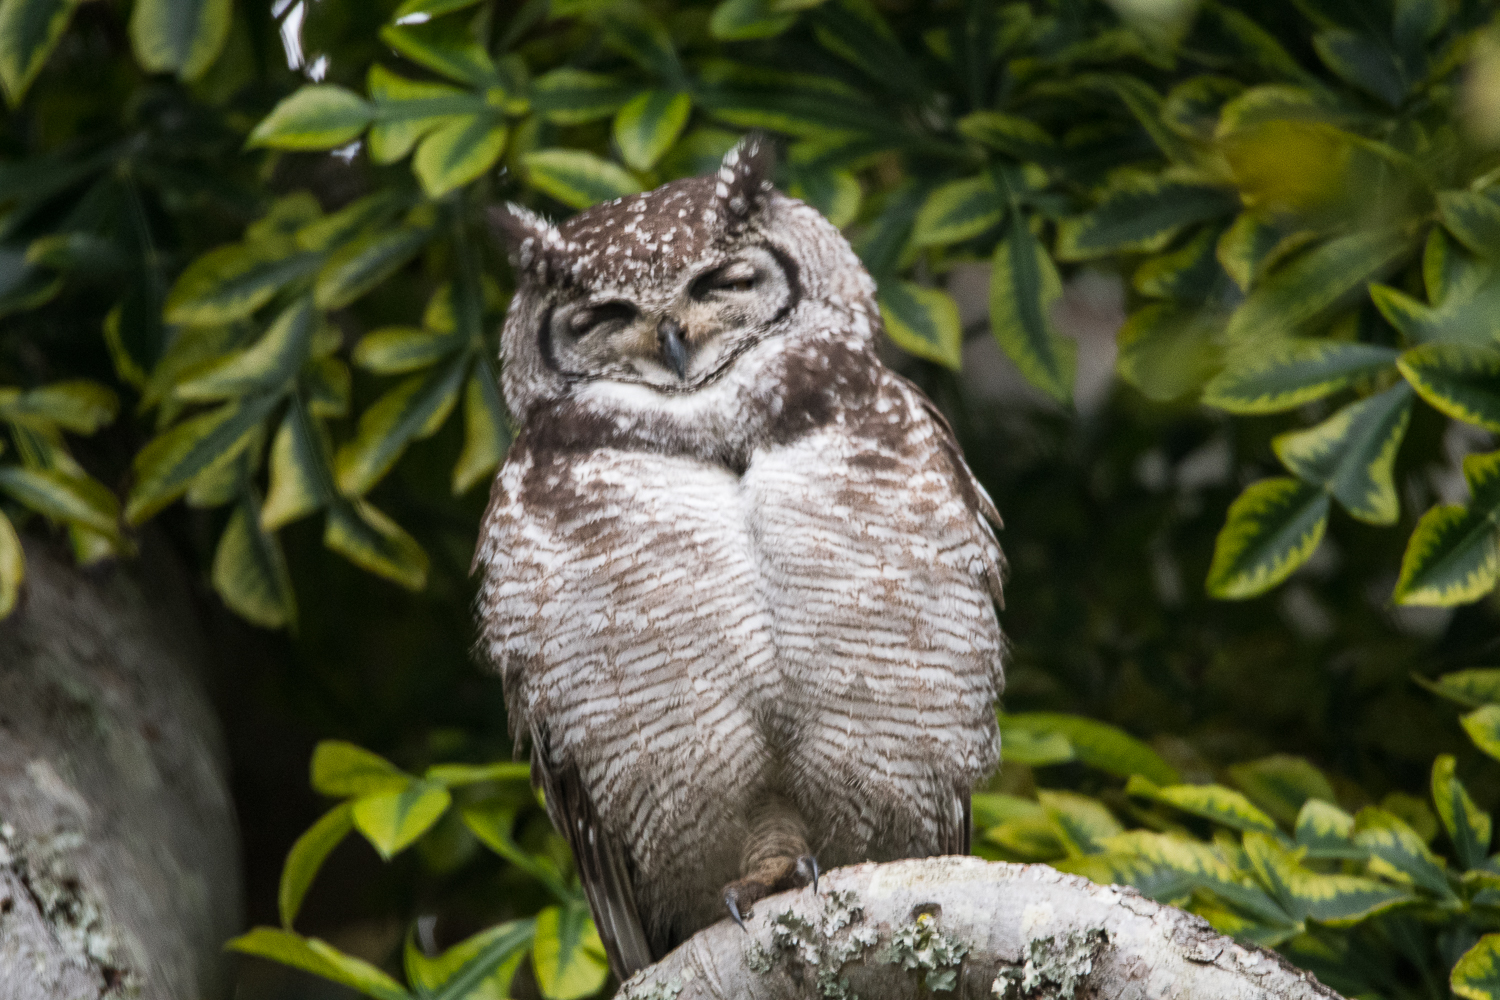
x=967 y=929
x=119 y=857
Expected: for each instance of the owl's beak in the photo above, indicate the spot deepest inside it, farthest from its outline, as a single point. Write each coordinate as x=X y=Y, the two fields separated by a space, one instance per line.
x=673 y=351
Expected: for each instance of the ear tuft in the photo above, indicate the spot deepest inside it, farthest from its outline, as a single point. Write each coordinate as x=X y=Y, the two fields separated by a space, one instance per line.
x=744 y=178
x=525 y=234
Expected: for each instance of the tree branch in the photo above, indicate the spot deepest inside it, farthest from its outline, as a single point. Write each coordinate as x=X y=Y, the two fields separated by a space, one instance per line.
x=982 y=930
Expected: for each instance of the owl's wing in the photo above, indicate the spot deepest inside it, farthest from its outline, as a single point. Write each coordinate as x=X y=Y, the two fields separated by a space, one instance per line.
x=602 y=863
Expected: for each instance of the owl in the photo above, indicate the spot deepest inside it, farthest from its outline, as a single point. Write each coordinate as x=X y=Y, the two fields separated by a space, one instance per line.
x=738 y=580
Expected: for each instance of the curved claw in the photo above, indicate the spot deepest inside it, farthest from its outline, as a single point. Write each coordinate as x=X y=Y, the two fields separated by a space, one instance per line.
x=734 y=912
x=807 y=867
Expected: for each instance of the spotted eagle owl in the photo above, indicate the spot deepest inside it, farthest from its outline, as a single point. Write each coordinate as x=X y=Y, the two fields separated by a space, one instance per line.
x=738 y=580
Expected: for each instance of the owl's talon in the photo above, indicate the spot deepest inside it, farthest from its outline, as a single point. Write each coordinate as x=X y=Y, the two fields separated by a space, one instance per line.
x=734 y=911
x=807 y=868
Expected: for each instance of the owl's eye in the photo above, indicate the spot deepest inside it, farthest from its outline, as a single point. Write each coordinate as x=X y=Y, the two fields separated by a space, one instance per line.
x=586 y=321
x=740 y=276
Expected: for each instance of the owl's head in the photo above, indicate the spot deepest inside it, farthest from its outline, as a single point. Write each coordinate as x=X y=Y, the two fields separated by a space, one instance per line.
x=668 y=293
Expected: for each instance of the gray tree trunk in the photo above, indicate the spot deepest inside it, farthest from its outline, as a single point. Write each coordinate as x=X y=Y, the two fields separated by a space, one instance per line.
x=966 y=929
x=119 y=856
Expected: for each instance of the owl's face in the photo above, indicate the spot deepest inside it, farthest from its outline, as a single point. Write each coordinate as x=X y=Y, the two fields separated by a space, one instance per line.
x=660 y=310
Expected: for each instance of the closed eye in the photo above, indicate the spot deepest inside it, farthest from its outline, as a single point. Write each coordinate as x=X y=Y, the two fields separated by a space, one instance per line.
x=586 y=321
x=736 y=277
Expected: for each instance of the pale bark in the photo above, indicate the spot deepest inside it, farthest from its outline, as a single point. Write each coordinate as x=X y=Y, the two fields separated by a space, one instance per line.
x=967 y=929
x=119 y=860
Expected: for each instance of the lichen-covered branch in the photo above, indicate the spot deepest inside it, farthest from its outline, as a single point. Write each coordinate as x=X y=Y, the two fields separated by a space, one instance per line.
x=119 y=863
x=967 y=929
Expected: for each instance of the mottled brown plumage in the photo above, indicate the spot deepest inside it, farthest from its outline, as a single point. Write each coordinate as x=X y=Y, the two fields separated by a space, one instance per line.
x=738 y=580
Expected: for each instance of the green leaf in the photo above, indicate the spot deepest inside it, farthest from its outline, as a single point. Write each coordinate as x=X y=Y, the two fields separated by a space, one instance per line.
x=391 y=821
x=445 y=46
x=957 y=211
x=1024 y=288
x=835 y=193
x=1281 y=784
x=298 y=463
x=1461 y=380
x=1035 y=749
x=452 y=775
x=1397 y=853
x=1272 y=528
x=1282 y=375
x=366 y=537
x=320 y=958
x=922 y=321
x=993 y=808
x=12 y=566
x=29 y=30
x=567 y=955
x=1080 y=823
x=78 y=405
x=577 y=179
x=406 y=110
x=307 y=856
x=1190 y=273
x=396 y=350
x=1012 y=135
x=231 y=283
x=179 y=36
x=1326 y=831
x=1095 y=743
x=1362 y=61
x=744 y=20
x=318 y=116
x=64 y=497
x=649 y=124
x=1483 y=727
x=1471 y=688
x=249 y=571
x=1476 y=975
x=413 y=9
x=478 y=968
x=1213 y=802
x=365 y=262
x=1468 y=826
x=486 y=435
x=1251 y=246
x=269 y=364
x=1352 y=454
x=456 y=153
x=1168 y=351
x=1473 y=218
x=342 y=769
x=1315 y=282
x=413 y=410
x=1334 y=900
x=1140 y=213
x=1453 y=557
x=568 y=96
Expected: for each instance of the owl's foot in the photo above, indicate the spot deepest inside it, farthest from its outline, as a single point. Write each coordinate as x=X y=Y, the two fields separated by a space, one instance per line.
x=771 y=876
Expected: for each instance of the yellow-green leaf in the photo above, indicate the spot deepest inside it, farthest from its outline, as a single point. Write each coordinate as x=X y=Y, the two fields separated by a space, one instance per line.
x=1280 y=784
x=320 y=958
x=1461 y=380
x=648 y=125
x=1034 y=748
x=1397 y=853
x=443 y=45
x=1081 y=824
x=1190 y=273
x=922 y=321
x=1251 y=246
x=456 y=153
x=469 y=774
x=1483 y=727
x=1168 y=351
x=1454 y=553
x=1334 y=900
x=576 y=178
x=1213 y=802
x=318 y=116
x=957 y=211
x=478 y=968
x=365 y=262
x=1140 y=213
x=1326 y=831
x=415 y=409
x=1027 y=838
x=568 y=96
x=1352 y=454
x=179 y=36
x=64 y=497
x=249 y=571
x=1470 y=688
x=567 y=955
x=307 y=856
x=298 y=458
x=1017 y=137
x=993 y=808
x=1092 y=742
x=396 y=350
x=1285 y=374
x=1473 y=218
x=743 y=20
x=1468 y=826
x=406 y=110
x=1476 y=975
x=29 y=30
x=270 y=363
x=1024 y=288
x=391 y=821
x=343 y=769
x=372 y=541
x=232 y=282
x=12 y=566
x=1272 y=528
x=79 y=406
x=1363 y=61
x=486 y=435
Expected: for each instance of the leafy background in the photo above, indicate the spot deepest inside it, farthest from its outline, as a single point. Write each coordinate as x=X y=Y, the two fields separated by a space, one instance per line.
x=1208 y=289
